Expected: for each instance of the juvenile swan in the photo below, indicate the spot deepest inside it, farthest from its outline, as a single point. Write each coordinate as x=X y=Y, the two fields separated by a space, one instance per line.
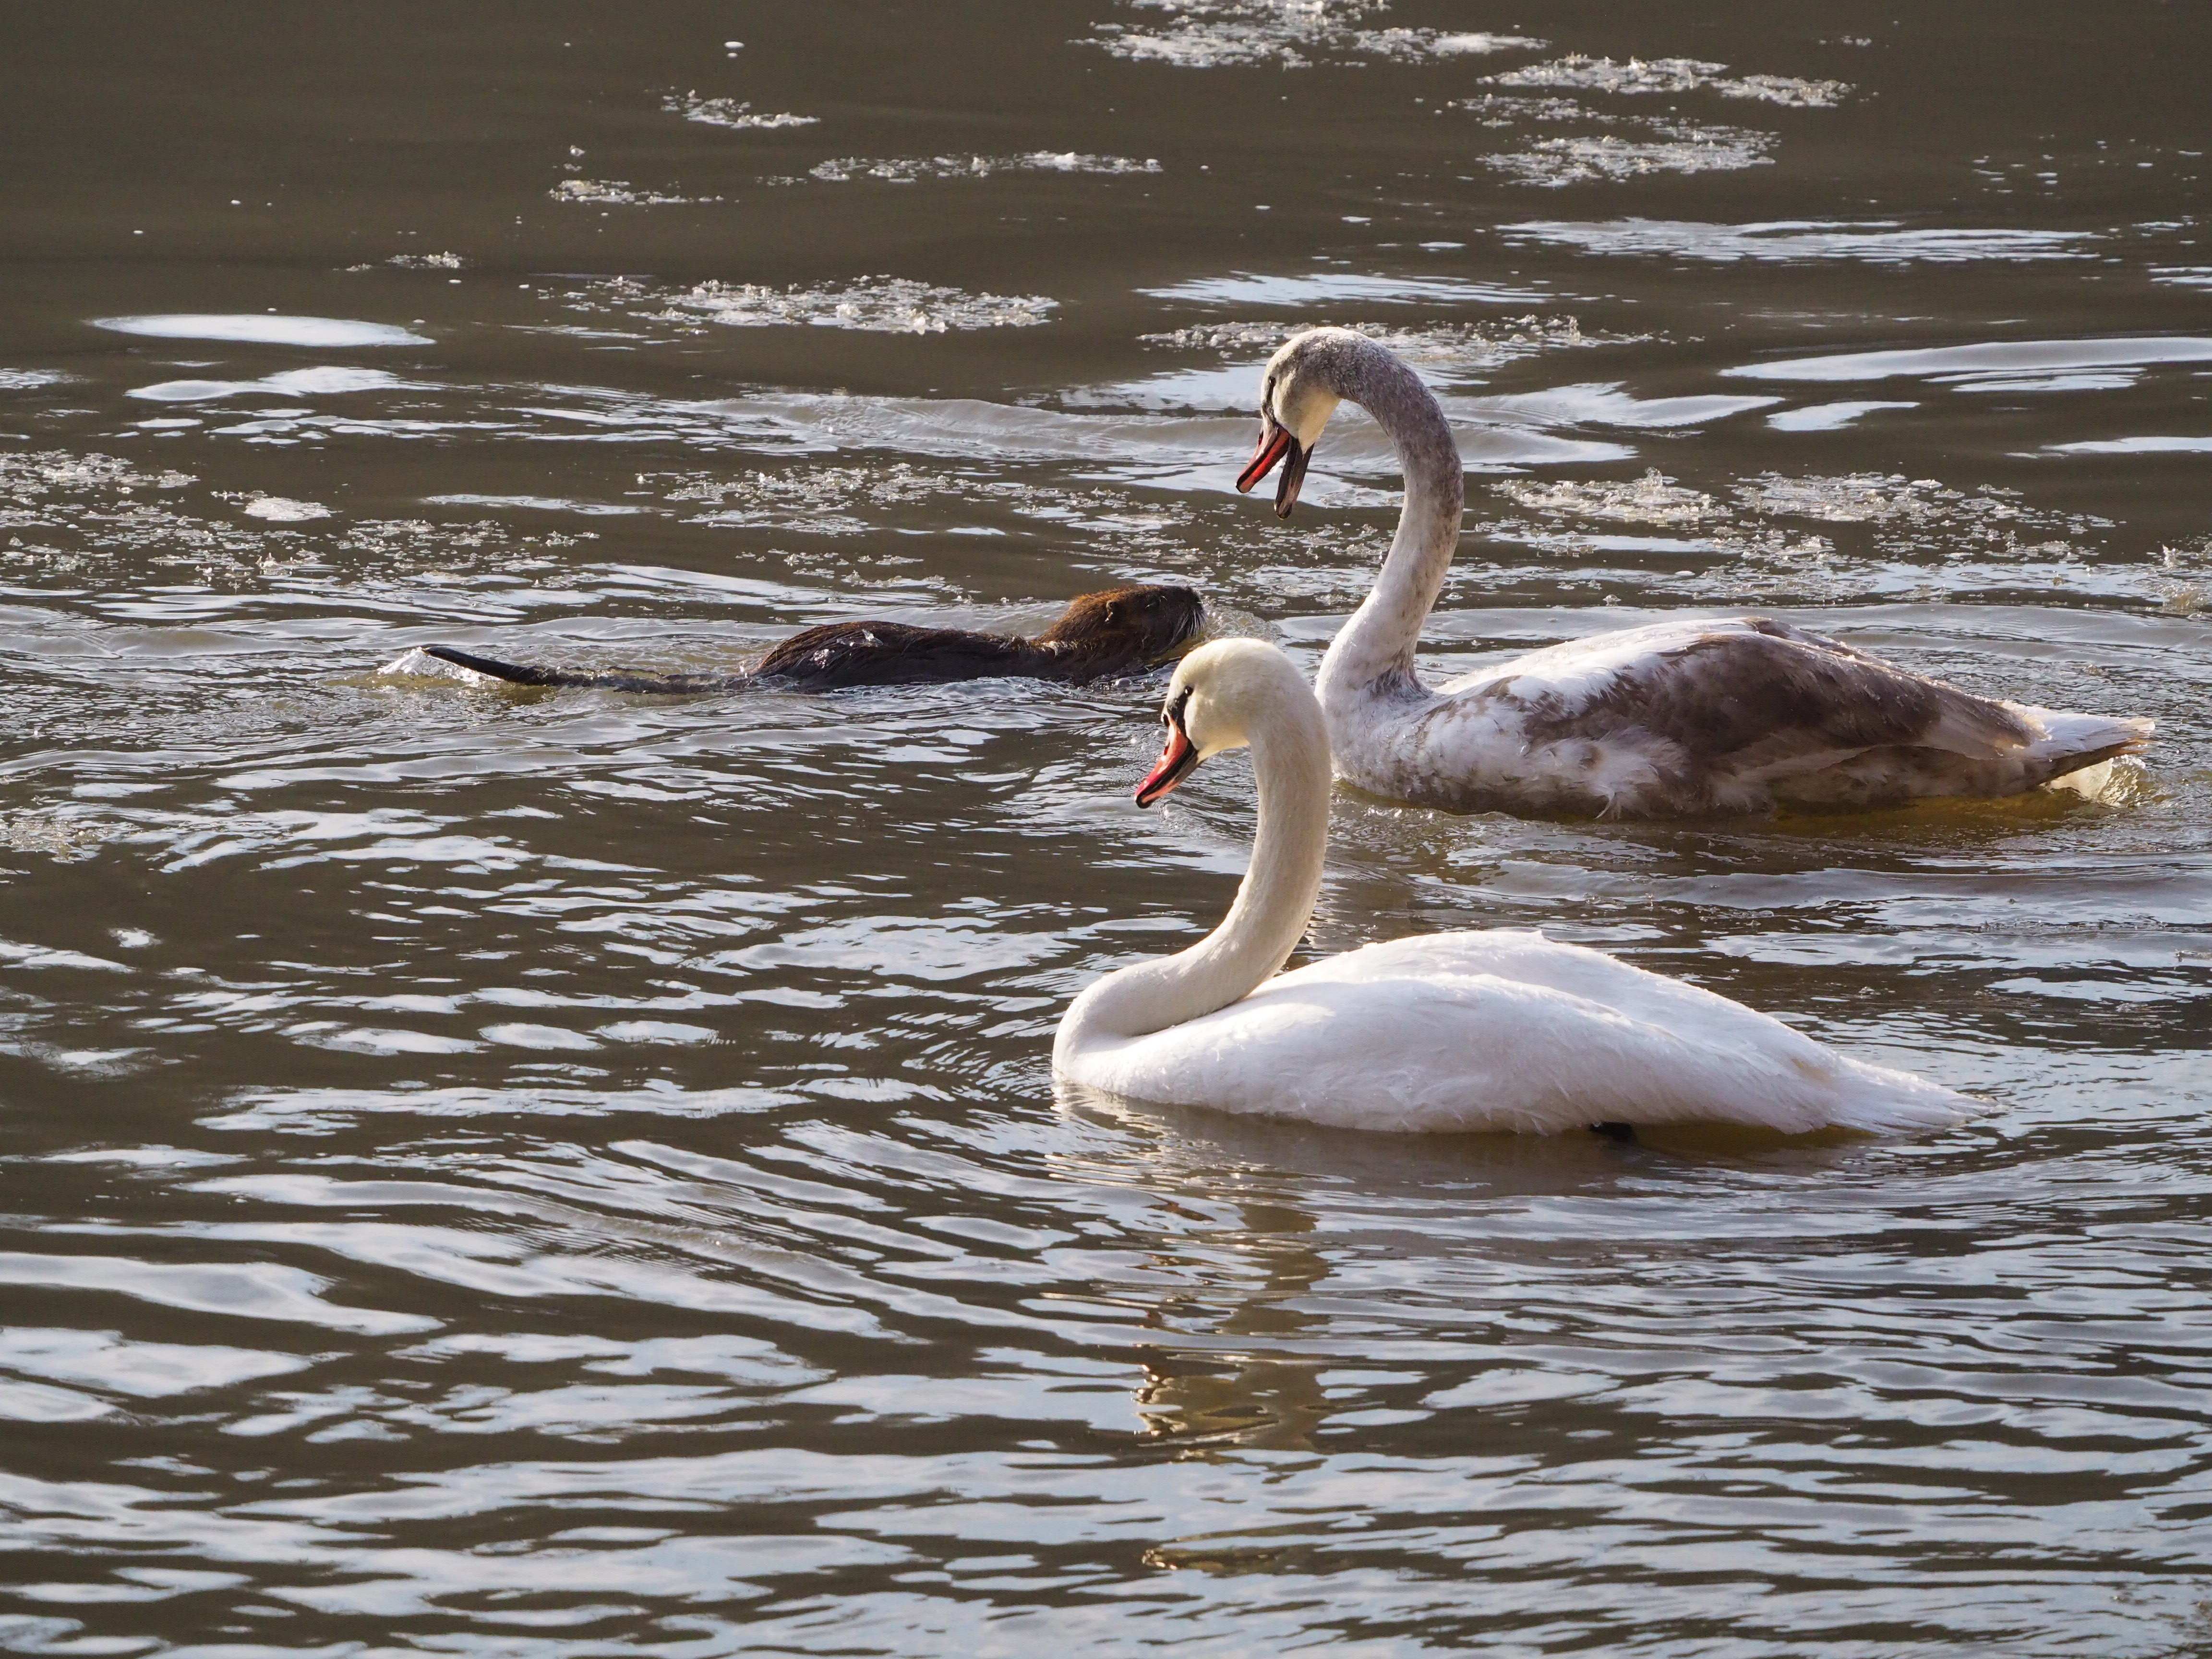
x=1445 y=1031
x=1702 y=716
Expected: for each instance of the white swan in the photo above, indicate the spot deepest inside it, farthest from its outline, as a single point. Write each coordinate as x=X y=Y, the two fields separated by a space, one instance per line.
x=1700 y=715
x=1446 y=1031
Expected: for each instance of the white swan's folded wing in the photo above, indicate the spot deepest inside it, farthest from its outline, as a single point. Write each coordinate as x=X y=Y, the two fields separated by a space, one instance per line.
x=1506 y=1032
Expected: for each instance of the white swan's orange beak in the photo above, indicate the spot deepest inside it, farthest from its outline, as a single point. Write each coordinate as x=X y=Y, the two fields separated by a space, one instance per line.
x=1176 y=761
x=1276 y=443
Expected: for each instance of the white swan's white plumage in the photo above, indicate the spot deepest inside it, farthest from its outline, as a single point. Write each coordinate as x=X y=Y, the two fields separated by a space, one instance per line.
x=1496 y=1031
x=1698 y=715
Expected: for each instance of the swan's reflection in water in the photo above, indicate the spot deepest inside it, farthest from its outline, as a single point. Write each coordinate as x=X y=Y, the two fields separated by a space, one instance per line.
x=1267 y=1397
x=1254 y=1340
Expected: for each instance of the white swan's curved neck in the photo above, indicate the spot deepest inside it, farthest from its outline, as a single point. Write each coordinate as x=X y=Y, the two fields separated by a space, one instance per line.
x=1374 y=651
x=1289 y=755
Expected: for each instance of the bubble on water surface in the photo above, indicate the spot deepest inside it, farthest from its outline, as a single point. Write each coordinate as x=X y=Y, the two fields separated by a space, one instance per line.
x=259 y=329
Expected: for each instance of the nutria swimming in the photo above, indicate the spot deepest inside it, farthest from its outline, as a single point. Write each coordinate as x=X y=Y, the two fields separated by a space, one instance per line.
x=1122 y=629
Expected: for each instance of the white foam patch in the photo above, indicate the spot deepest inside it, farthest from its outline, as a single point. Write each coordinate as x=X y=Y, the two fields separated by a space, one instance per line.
x=619 y=192
x=1290 y=33
x=882 y=305
x=911 y=169
x=1878 y=241
x=1654 y=498
x=1552 y=162
x=328 y=380
x=29 y=380
x=1673 y=75
x=2183 y=276
x=1447 y=346
x=263 y=330
x=731 y=113
x=1413 y=46
x=283 y=509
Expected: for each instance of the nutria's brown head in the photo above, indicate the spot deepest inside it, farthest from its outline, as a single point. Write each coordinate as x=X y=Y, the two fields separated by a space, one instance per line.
x=1122 y=628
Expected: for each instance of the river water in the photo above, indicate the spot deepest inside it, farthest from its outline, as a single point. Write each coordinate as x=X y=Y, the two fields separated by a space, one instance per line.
x=575 y=1174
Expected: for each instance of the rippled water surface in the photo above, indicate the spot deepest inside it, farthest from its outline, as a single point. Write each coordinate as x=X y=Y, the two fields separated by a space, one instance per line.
x=573 y=1174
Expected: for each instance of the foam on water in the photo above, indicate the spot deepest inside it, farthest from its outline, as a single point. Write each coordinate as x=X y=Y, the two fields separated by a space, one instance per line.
x=1673 y=75
x=1288 y=33
x=1652 y=499
x=619 y=192
x=908 y=170
x=879 y=304
x=731 y=113
x=1676 y=147
x=1452 y=350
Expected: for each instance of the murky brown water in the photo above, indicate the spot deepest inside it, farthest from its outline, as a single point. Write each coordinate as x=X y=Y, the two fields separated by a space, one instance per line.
x=577 y=1174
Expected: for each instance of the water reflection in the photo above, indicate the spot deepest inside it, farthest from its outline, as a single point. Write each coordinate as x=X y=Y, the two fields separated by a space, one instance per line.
x=576 y=1175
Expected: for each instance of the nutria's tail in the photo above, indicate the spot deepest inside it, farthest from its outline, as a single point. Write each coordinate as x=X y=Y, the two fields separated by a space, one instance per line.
x=618 y=679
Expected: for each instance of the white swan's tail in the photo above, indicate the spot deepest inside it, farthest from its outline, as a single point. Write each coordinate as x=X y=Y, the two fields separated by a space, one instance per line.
x=1878 y=1101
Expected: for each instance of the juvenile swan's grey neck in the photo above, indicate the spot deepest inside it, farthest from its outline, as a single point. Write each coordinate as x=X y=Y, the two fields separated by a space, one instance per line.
x=1373 y=654
x=1290 y=757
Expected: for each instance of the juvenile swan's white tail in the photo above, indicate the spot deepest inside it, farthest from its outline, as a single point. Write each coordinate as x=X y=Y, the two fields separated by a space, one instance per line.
x=2065 y=742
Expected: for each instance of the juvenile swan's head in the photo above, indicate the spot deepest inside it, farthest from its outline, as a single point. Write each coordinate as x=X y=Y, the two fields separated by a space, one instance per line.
x=1301 y=391
x=1221 y=692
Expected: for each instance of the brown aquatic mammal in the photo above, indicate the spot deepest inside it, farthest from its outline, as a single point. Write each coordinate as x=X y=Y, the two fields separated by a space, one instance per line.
x=1114 y=632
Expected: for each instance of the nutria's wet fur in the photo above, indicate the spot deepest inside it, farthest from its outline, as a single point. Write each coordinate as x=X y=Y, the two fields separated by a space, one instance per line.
x=1115 y=632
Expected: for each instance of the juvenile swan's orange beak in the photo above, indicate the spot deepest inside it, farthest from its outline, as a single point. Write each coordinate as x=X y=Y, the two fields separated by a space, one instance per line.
x=1276 y=443
x=1176 y=761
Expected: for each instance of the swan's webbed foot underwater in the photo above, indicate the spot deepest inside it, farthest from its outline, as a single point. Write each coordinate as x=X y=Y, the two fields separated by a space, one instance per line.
x=1624 y=1133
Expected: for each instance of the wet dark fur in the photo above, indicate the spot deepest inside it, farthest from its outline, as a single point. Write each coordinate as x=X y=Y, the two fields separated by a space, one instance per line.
x=1115 y=632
